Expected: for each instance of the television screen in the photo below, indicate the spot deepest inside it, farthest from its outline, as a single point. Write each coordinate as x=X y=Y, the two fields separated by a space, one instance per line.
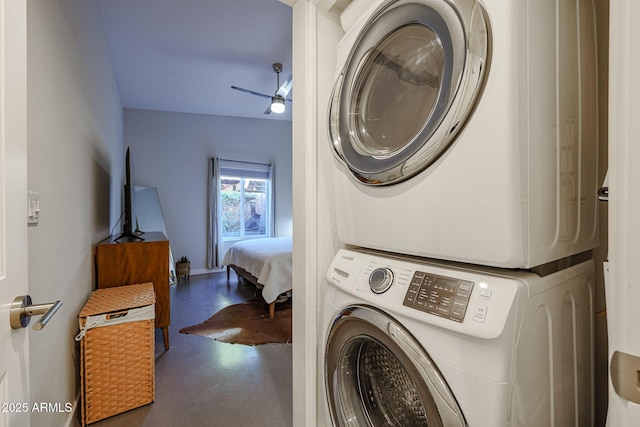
x=129 y=226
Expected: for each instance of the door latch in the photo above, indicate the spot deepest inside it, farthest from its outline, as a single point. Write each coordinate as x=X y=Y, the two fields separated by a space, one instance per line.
x=625 y=376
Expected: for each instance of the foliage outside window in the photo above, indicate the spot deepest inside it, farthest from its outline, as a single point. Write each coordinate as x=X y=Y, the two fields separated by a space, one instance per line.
x=244 y=207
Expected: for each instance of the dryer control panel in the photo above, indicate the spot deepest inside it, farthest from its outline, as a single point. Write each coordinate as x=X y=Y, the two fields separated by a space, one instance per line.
x=443 y=296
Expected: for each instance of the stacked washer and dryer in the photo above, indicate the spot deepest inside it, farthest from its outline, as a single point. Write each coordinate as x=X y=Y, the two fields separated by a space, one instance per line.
x=465 y=142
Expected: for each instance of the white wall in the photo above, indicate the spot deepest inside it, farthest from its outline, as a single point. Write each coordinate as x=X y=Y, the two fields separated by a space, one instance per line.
x=315 y=34
x=170 y=151
x=75 y=158
x=623 y=288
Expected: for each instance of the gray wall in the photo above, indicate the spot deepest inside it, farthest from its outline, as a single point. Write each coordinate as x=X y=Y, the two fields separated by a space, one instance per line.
x=170 y=151
x=75 y=159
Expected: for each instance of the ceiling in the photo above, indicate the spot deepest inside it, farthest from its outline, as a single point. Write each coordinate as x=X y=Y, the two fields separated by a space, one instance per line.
x=185 y=55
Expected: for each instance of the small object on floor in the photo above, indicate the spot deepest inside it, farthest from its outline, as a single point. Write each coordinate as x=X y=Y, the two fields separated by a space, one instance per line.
x=183 y=269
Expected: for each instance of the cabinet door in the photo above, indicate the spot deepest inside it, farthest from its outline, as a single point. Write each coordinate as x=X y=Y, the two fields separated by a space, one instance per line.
x=130 y=263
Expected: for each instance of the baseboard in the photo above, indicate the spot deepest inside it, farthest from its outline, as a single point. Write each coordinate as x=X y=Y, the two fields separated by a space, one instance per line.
x=201 y=271
x=73 y=419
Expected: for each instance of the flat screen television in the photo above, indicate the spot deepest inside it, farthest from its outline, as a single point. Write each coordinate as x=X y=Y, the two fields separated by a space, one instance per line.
x=129 y=223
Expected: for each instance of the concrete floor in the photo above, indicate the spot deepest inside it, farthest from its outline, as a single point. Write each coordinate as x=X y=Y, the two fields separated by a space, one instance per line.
x=202 y=382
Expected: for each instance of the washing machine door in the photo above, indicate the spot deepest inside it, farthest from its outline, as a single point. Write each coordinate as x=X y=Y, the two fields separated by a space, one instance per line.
x=410 y=81
x=377 y=374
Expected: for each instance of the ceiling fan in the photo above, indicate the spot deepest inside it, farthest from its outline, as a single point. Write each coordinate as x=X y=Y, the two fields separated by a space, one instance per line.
x=279 y=98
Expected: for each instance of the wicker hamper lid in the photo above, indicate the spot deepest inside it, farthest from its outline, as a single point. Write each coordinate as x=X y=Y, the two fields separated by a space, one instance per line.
x=119 y=298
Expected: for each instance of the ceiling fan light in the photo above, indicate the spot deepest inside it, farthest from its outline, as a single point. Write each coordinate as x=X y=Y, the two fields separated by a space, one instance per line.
x=277 y=104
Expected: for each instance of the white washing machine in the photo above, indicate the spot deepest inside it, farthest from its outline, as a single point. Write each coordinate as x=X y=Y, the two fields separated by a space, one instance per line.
x=415 y=343
x=466 y=130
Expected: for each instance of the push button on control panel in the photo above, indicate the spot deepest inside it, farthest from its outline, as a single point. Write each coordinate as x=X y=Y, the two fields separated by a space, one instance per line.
x=485 y=293
x=480 y=314
x=442 y=296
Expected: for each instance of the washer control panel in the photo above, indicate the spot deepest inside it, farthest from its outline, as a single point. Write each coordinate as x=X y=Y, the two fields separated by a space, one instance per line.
x=470 y=301
x=443 y=296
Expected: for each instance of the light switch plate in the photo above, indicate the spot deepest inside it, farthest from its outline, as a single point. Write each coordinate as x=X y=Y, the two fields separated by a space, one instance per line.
x=33 y=208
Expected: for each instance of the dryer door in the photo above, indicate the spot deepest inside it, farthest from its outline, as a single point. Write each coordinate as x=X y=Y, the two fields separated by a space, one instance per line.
x=377 y=374
x=409 y=83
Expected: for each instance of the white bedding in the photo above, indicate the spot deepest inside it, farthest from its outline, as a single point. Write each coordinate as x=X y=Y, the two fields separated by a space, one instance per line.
x=269 y=260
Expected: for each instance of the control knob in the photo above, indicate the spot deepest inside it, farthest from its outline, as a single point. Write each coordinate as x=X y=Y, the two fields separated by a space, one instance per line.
x=380 y=280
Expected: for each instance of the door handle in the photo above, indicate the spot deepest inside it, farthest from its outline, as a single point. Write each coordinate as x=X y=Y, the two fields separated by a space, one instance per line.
x=22 y=309
x=603 y=194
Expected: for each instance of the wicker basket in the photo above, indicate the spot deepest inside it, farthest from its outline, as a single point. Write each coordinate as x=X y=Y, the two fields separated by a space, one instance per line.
x=117 y=366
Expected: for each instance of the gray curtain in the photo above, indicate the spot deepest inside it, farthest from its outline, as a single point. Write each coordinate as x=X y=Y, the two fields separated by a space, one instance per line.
x=213 y=238
x=272 y=181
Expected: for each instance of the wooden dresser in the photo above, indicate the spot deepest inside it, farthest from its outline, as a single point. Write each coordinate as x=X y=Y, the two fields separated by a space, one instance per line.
x=130 y=261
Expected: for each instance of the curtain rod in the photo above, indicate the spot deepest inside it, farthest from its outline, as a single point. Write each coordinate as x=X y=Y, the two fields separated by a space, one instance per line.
x=243 y=161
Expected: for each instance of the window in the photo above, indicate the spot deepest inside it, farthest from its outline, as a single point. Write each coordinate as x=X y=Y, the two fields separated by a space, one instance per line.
x=245 y=200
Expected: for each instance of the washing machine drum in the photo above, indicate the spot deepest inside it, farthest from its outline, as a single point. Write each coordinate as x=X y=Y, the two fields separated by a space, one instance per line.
x=409 y=83
x=377 y=374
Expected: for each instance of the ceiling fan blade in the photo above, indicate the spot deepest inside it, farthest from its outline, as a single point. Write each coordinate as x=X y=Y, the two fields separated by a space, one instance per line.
x=268 y=110
x=286 y=87
x=251 y=92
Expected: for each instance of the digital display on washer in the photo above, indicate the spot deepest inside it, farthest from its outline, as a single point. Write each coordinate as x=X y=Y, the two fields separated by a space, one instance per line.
x=443 y=296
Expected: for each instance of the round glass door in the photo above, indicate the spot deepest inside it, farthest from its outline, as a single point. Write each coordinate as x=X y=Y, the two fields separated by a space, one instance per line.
x=376 y=374
x=406 y=70
x=409 y=82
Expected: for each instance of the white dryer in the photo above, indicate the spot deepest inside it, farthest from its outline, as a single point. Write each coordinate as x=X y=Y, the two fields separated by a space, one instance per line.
x=414 y=343
x=466 y=130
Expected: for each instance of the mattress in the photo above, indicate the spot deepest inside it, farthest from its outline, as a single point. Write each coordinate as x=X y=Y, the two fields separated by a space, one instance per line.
x=268 y=260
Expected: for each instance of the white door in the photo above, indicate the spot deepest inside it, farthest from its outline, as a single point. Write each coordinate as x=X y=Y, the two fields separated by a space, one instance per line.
x=623 y=286
x=14 y=355
x=375 y=378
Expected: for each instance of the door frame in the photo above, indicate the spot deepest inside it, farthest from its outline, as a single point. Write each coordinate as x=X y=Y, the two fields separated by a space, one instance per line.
x=622 y=286
x=14 y=344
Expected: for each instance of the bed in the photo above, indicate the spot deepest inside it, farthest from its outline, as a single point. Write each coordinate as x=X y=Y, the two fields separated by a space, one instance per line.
x=264 y=262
